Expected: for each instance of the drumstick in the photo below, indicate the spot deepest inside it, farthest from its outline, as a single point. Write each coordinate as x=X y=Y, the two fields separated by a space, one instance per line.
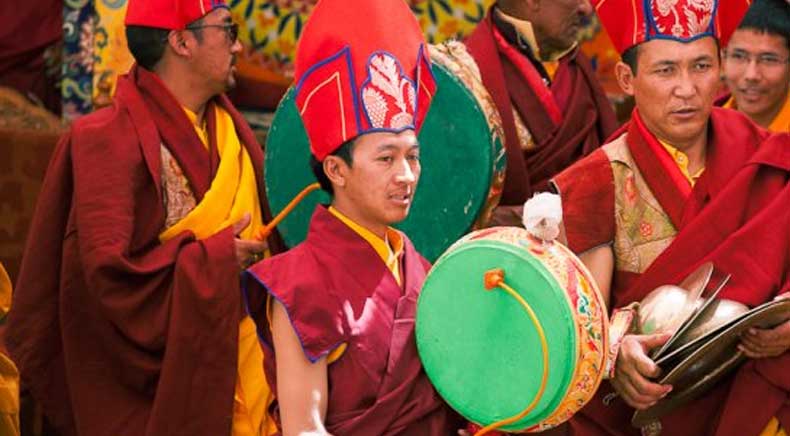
x=264 y=231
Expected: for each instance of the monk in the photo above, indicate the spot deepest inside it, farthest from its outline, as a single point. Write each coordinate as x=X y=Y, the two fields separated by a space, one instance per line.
x=128 y=315
x=757 y=65
x=552 y=108
x=337 y=311
x=681 y=184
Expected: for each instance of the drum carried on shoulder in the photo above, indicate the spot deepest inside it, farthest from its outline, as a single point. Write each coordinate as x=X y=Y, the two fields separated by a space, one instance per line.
x=461 y=153
x=512 y=331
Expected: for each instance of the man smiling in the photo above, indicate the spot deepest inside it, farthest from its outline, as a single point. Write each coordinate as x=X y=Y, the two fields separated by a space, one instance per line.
x=757 y=65
x=683 y=183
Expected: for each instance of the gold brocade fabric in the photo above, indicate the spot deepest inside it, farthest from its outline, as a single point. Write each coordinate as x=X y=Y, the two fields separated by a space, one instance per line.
x=644 y=230
x=233 y=192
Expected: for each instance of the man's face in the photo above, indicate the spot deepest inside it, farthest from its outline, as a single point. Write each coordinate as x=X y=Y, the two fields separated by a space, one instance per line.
x=380 y=184
x=675 y=86
x=215 y=55
x=757 y=72
x=557 y=22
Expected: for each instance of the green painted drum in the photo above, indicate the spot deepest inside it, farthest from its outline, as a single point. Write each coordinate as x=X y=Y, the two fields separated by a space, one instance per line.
x=481 y=349
x=462 y=161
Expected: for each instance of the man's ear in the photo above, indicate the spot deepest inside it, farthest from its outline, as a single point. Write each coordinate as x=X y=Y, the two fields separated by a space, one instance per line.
x=336 y=170
x=625 y=77
x=177 y=40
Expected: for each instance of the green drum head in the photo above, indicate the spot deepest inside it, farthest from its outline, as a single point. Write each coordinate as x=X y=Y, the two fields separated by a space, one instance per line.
x=480 y=348
x=458 y=154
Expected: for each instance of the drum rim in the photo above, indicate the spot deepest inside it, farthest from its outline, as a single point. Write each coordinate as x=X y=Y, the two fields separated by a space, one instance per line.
x=481 y=198
x=566 y=382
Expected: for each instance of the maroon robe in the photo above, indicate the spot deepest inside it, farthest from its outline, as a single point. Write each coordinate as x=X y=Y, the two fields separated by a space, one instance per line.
x=114 y=332
x=336 y=289
x=588 y=118
x=27 y=30
x=738 y=217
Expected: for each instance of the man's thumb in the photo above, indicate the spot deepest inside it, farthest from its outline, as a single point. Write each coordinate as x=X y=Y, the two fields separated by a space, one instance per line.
x=242 y=224
x=656 y=340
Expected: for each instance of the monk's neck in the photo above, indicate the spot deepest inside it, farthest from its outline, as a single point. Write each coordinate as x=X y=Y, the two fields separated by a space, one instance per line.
x=766 y=117
x=347 y=208
x=186 y=92
x=695 y=150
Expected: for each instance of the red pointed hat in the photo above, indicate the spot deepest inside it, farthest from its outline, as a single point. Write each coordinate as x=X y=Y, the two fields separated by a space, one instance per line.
x=361 y=66
x=631 y=22
x=169 y=14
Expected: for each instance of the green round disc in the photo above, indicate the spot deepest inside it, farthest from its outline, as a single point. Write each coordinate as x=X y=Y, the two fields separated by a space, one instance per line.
x=458 y=156
x=480 y=348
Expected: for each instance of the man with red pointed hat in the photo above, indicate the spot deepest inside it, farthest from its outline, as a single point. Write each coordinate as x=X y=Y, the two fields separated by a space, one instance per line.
x=553 y=110
x=337 y=311
x=128 y=316
x=682 y=184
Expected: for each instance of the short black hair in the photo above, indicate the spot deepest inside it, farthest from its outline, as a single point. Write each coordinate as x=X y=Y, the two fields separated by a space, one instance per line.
x=344 y=152
x=147 y=45
x=769 y=16
x=631 y=57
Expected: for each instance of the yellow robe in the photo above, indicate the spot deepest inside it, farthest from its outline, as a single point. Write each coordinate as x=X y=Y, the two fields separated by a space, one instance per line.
x=9 y=375
x=233 y=193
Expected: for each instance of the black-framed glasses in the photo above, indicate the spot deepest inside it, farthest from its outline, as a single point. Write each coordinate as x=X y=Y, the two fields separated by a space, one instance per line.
x=742 y=58
x=231 y=29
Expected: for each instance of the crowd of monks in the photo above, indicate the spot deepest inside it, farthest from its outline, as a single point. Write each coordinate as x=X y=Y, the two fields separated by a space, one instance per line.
x=145 y=306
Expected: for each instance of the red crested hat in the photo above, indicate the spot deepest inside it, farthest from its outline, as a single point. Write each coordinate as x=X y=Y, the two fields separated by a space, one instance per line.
x=631 y=22
x=169 y=14
x=361 y=66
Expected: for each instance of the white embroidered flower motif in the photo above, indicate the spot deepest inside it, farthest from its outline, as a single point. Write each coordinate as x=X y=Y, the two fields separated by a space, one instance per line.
x=388 y=92
x=701 y=5
x=666 y=6
x=696 y=23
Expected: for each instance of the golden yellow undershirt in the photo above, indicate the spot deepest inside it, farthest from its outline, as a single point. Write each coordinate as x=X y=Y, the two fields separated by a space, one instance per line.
x=524 y=28
x=201 y=129
x=389 y=248
x=252 y=394
x=780 y=123
x=682 y=161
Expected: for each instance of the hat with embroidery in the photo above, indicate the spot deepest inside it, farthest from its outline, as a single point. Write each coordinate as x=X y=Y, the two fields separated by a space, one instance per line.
x=631 y=22
x=361 y=66
x=169 y=14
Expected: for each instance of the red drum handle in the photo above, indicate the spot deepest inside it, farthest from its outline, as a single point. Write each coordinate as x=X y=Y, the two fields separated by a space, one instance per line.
x=495 y=278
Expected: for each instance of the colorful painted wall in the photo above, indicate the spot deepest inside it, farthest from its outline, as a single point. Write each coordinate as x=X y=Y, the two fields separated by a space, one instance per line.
x=95 y=44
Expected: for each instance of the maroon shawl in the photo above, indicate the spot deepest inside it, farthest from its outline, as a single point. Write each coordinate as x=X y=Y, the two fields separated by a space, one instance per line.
x=327 y=284
x=113 y=331
x=588 y=118
x=738 y=217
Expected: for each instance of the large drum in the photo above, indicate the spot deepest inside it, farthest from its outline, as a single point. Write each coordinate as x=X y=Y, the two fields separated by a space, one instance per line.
x=509 y=325
x=462 y=157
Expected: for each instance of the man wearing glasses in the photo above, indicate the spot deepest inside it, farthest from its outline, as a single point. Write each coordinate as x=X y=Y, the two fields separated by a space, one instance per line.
x=128 y=317
x=756 y=65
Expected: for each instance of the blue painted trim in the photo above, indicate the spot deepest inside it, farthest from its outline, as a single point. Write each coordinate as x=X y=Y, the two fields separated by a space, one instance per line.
x=651 y=28
x=367 y=81
x=355 y=96
x=343 y=51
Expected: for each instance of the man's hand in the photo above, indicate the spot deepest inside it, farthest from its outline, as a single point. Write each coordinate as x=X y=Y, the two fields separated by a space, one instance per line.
x=759 y=343
x=247 y=251
x=634 y=369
